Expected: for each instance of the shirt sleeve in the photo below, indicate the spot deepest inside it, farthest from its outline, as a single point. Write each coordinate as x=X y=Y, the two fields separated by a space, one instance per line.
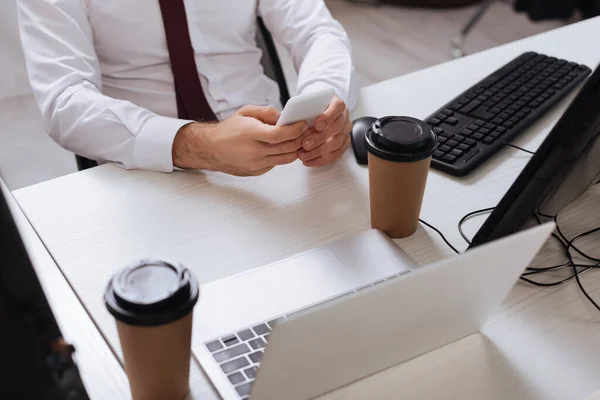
x=64 y=75
x=318 y=44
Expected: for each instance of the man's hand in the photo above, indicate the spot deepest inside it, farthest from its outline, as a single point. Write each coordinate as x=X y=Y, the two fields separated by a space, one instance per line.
x=246 y=144
x=330 y=137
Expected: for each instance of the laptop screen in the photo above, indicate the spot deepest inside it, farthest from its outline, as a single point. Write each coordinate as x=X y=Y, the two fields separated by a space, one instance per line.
x=565 y=165
x=37 y=363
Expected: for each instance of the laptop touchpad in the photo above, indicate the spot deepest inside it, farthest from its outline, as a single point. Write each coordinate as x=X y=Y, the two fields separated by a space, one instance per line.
x=283 y=287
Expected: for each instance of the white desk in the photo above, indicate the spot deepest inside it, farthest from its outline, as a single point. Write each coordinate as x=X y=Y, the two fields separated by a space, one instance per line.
x=544 y=344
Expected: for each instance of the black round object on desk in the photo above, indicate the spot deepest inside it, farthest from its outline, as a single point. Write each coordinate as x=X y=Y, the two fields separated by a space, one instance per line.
x=401 y=139
x=151 y=293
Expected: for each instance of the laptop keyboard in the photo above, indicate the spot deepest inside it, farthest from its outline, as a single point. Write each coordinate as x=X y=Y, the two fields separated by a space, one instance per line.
x=239 y=354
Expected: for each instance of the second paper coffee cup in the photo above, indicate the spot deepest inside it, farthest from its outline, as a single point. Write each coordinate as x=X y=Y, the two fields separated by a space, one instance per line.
x=399 y=151
x=152 y=302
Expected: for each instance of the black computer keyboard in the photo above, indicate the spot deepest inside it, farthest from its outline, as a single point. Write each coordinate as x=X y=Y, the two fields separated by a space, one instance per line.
x=478 y=123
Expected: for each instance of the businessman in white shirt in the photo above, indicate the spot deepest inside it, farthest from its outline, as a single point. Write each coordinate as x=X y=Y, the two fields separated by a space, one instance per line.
x=102 y=77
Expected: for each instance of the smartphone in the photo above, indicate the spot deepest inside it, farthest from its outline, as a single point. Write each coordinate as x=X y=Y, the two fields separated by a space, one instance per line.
x=306 y=107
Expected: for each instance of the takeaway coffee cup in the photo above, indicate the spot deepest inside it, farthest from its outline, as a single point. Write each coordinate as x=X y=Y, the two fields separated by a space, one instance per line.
x=152 y=302
x=399 y=152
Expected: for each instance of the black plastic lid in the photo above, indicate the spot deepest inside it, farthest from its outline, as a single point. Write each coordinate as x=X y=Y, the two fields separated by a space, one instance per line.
x=151 y=292
x=400 y=139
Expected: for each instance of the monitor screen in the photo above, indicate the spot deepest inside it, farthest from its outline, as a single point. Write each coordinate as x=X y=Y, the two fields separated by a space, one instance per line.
x=565 y=165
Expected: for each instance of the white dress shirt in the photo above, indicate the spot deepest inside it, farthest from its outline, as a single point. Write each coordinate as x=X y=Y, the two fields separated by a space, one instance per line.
x=101 y=75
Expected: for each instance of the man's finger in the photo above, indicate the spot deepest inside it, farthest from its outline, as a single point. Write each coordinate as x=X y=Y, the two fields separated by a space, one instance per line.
x=267 y=115
x=332 y=144
x=313 y=140
x=280 y=134
x=329 y=158
x=335 y=109
x=281 y=159
x=291 y=146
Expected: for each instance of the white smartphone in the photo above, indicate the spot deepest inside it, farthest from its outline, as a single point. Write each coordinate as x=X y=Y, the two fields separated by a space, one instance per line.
x=306 y=107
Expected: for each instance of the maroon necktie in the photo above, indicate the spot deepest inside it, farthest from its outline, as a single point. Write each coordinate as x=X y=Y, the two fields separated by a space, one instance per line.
x=191 y=102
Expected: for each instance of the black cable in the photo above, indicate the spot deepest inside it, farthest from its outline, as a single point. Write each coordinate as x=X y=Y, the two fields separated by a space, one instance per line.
x=441 y=234
x=514 y=146
x=468 y=216
x=585 y=293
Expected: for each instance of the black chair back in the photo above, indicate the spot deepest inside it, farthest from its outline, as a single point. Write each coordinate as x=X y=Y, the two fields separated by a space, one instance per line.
x=271 y=64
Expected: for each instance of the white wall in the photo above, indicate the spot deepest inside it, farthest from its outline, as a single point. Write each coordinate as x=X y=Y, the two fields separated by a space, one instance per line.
x=13 y=77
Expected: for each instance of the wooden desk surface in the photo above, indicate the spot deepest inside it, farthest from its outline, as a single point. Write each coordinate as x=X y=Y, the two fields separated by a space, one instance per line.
x=544 y=344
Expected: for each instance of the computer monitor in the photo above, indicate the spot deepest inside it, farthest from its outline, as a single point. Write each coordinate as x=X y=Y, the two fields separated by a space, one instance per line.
x=565 y=165
x=36 y=362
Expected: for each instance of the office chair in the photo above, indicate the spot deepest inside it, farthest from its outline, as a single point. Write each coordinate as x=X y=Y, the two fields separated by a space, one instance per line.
x=271 y=64
x=458 y=41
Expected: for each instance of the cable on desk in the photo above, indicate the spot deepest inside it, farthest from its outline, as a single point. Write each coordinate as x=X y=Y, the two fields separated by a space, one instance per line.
x=519 y=148
x=441 y=235
x=468 y=216
x=564 y=243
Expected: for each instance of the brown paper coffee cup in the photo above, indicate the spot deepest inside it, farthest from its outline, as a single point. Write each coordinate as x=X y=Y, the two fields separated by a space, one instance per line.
x=157 y=359
x=396 y=191
x=152 y=302
x=399 y=155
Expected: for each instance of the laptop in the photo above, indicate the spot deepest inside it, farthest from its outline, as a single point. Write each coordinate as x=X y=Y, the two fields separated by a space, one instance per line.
x=301 y=353
x=37 y=362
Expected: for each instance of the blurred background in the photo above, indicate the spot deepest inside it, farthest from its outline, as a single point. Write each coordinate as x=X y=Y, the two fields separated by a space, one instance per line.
x=389 y=39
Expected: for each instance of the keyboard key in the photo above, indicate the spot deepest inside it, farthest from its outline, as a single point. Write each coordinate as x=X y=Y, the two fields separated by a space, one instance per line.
x=214 y=346
x=261 y=329
x=447 y=135
x=251 y=372
x=509 y=124
x=488 y=140
x=470 y=142
x=501 y=129
x=504 y=116
x=473 y=127
x=463 y=147
x=447 y=112
x=459 y=138
x=445 y=148
x=482 y=112
x=230 y=340
x=497 y=121
x=455 y=106
x=235 y=365
x=256 y=357
x=451 y=121
x=257 y=343
x=231 y=352
x=440 y=116
x=449 y=158
x=266 y=337
x=466 y=132
x=441 y=139
x=246 y=334
x=479 y=122
x=244 y=390
x=434 y=122
x=471 y=106
x=438 y=154
x=484 y=131
x=236 y=378
x=451 y=143
x=514 y=119
x=477 y=136
x=456 y=152
x=489 y=126
x=496 y=134
x=438 y=131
